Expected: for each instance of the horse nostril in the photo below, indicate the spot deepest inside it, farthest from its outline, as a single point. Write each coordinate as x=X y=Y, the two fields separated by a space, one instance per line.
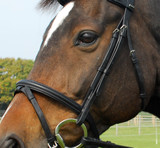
x=12 y=141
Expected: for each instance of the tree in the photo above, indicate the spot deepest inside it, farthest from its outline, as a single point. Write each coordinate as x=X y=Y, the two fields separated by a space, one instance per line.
x=11 y=71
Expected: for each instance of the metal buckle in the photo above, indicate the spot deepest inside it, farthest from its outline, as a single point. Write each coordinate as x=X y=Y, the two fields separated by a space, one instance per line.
x=60 y=140
x=131 y=6
x=123 y=27
x=131 y=52
x=115 y=30
x=54 y=146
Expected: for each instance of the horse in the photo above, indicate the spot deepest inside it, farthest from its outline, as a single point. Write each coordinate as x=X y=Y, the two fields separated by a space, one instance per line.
x=98 y=65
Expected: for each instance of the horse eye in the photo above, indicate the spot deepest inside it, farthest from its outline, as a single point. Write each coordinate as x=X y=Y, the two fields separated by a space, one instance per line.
x=86 y=38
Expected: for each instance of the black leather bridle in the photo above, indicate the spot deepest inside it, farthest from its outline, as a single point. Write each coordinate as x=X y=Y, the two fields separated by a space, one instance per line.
x=119 y=35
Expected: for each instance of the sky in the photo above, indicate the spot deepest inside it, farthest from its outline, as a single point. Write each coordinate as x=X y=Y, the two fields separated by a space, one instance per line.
x=22 y=26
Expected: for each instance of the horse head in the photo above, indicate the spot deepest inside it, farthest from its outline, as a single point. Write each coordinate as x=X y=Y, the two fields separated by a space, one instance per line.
x=73 y=48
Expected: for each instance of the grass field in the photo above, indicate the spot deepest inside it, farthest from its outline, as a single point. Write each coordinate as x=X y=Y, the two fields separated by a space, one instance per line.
x=146 y=136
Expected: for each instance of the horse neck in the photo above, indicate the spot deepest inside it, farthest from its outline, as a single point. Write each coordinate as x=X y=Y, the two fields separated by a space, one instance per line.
x=150 y=12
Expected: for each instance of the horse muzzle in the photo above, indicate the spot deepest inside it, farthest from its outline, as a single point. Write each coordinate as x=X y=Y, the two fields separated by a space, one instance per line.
x=12 y=141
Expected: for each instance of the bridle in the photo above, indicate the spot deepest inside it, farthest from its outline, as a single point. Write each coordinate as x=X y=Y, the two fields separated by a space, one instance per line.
x=119 y=34
x=29 y=86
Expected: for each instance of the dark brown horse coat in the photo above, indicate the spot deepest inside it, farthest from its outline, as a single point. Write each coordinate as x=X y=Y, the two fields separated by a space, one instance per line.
x=70 y=68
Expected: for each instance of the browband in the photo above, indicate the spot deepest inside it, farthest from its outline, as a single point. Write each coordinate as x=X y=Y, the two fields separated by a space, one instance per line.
x=121 y=3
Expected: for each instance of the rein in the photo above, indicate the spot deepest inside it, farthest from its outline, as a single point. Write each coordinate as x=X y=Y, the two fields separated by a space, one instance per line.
x=29 y=86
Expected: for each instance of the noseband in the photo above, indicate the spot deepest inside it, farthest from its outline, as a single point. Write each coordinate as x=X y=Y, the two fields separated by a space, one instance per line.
x=29 y=86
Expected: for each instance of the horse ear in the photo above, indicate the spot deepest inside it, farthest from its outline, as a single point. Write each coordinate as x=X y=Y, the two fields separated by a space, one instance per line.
x=63 y=2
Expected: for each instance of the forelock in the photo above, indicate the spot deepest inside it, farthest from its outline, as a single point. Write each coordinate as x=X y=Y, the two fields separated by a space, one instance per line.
x=47 y=3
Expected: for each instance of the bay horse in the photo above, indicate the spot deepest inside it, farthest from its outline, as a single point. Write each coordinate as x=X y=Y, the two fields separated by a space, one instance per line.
x=98 y=65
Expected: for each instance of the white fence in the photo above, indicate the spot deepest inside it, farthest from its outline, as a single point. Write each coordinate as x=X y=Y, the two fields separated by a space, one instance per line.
x=142 y=124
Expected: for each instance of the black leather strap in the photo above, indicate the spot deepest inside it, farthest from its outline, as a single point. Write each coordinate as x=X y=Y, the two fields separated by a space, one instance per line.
x=138 y=71
x=134 y=59
x=108 y=61
x=102 y=72
x=26 y=90
x=115 y=45
x=123 y=3
x=87 y=141
x=56 y=96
